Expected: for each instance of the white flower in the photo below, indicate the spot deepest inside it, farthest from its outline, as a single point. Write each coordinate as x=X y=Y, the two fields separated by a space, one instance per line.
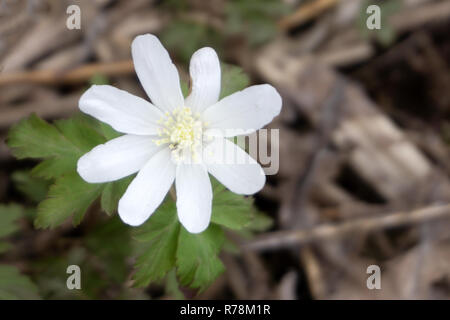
x=160 y=138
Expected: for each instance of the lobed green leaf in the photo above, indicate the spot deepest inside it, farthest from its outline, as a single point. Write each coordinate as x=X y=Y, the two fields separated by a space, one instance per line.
x=111 y=243
x=60 y=145
x=35 y=138
x=70 y=195
x=233 y=80
x=229 y=209
x=9 y=214
x=112 y=193
x=198 y=264
x=15 y=286
x=160 y=237
x=32 y=187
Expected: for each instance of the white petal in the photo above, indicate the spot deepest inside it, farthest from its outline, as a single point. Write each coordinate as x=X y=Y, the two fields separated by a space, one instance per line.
x=123 y=111
x=194 y=197
x=248 y=110
x=233 y=167
x=148 y=189
x=158 y=75
x=116 y=158
x=205 y=76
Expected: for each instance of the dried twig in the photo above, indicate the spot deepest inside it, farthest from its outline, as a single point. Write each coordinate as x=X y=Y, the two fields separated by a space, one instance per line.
x=47 y=108
x=83 y=73
x=305 y=13
x=276 y=240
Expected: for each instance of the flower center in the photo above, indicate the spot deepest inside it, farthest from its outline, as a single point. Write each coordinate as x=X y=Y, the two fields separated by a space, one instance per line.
x=183 y=131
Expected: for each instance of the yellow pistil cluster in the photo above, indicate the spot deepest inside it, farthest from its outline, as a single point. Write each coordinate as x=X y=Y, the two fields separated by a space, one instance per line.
x=182 y=130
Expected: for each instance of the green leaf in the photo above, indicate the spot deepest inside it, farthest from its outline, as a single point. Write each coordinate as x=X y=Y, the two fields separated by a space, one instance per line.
x=159 y=237
x=229 y=209
x=197 y=261
x=4 y=246
x=261 y=31
x=14 y=286
x=260 y=222
x=230 y=246
x=386 y=35
x=108 y=131
x=54 y=167
x=33 y=188
x=50 y=275
x=61 y=145
x=9 y=214
x=233 y=80
x=81 y=133
x=35 y=138
x=111 y=243
x=176 y=34
x=70 y=195
x=112 y=193
x=176 y=5
x=172 y=287
x=254 y=19
x=98 y=79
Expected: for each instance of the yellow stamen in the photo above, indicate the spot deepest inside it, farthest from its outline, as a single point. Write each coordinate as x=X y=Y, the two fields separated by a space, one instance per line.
x=182 y=130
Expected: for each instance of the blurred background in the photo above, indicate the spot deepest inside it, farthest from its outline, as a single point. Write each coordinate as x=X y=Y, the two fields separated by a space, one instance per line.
x=364 y=141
